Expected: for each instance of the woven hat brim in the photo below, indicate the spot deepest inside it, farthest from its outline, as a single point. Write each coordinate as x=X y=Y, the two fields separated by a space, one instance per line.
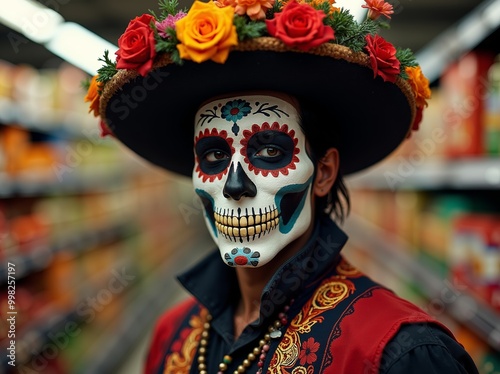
x=154 y=115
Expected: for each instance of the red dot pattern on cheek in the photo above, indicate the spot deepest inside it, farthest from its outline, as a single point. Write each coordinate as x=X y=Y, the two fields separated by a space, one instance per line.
x=247 y=134
x=211 y=133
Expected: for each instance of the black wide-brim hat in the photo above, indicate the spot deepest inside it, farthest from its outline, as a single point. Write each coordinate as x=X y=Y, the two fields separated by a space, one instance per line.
x=154 y=115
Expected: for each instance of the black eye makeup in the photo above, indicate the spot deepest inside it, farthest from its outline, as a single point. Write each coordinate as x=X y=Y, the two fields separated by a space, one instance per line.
x=270 y=149
x=213 y=153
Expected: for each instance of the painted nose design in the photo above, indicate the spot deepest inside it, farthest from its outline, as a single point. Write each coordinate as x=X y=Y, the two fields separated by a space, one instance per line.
x=238 y=184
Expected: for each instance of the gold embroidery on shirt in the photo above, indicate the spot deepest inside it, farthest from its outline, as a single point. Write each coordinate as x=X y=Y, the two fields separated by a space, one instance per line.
x=180 y=362
x=329 y=294
x=346 y=269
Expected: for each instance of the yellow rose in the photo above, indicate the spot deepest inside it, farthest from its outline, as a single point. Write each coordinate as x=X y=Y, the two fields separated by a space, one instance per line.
x=419 y=84
x=93 y=95
x=206 y=33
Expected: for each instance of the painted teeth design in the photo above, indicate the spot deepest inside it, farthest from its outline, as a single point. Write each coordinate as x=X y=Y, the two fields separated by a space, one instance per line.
x=246 y=226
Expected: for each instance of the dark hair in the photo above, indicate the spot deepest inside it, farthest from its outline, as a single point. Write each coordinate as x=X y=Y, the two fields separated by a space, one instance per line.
x=322 y=135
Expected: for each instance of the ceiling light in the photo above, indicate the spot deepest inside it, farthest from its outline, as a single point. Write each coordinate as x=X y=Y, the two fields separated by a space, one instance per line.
x=79 y=46
x=32 y=19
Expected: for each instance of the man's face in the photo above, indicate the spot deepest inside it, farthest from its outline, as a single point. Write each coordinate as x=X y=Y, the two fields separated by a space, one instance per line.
x=253 y=176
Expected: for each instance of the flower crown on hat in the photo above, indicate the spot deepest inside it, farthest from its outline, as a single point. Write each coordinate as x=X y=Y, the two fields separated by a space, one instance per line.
x=209 y=30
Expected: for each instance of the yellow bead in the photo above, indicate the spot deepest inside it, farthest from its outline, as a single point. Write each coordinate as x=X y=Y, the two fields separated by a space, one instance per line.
x=222 y=366
x=203 y=342
x=256 y=351
x=203 y=372
x=203 y=350
x=204 y=334
x=246 y=363
x=201 y=359
x=202 y=367
x=267 y=337
x=206 y=326
x=251 y=356
x=277 y=324
x=241 y=369
x=262 y=343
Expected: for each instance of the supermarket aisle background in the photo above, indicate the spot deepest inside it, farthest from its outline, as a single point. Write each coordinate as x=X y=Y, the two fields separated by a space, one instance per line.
x=96 y=235
x=134 y=362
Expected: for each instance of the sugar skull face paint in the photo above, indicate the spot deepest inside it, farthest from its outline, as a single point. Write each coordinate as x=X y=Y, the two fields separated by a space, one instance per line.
x=253 y=176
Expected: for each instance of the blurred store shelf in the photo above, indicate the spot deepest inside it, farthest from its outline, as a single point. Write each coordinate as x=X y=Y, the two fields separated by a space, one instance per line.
x=157 y=292
x=73 y=243
x=392 y=254
x=413 y=174
x=66 y=124
x=68 y=179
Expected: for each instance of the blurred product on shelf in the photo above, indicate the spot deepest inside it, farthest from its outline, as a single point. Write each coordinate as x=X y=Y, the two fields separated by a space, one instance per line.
x=436 y=224
x=45 y=100
x=23 y=156
x=463 y=117
x=456 y=234
x=29 y=232
x=466 y=88
x=492 y=118
x=490 y=364
x=475 y=255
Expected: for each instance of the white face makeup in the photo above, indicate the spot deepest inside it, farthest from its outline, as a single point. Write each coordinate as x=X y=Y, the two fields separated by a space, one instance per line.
x=253 y=176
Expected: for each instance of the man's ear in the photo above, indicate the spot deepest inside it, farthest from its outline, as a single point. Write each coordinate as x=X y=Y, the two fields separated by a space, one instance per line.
x=326 y=172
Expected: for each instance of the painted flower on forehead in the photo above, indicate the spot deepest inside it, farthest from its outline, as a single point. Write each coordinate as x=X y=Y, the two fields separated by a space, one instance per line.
x=254 y=9
x=377 y=8
x=383 y=58
x=235 y=110
x=168 y=22
x=206 y=33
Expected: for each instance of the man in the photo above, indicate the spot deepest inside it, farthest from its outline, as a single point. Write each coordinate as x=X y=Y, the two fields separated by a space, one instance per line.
x=266 y=129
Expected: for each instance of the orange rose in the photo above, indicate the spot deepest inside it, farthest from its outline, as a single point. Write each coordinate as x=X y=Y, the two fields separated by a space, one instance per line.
x=419 y=84
x=255 y=9
x=93 y=95
x=206 y=33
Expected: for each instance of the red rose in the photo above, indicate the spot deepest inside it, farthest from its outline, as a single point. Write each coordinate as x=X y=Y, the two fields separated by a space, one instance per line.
x=105 y=130
x=300 y=25
x=382 y=58
x=137 y=45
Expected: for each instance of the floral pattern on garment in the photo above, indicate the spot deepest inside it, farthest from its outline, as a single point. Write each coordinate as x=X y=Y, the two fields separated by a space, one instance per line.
x=298 y=351
x=185 y=347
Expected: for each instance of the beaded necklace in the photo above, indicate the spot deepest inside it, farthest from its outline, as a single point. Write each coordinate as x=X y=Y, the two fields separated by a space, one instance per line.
x=259 y=351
